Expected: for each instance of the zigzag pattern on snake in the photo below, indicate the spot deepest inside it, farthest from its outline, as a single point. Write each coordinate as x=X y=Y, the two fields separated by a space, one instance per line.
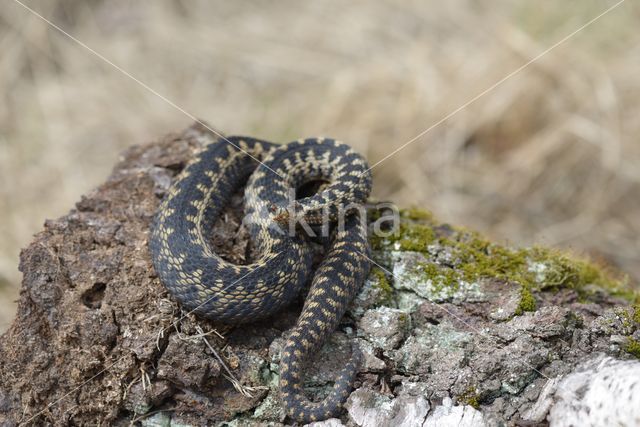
x=214 y=288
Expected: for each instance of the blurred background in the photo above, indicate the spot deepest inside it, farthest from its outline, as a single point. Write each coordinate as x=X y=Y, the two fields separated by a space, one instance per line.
x=550 y=156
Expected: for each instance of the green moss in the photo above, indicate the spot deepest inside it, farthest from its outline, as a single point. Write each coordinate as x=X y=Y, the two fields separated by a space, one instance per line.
x=409 y=237
x=441 y=277
x=470 y=397
x=633 y=347
x=527 y=302
x=474 y=257
x=416 y=214
x=384 y=285
x=625 y=315
x=636 y=312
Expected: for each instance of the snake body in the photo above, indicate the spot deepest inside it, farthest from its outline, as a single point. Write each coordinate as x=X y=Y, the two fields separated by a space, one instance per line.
x=214 y=288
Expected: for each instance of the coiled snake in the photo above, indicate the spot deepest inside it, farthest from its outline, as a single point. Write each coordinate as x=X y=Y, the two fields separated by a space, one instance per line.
x=214 y=288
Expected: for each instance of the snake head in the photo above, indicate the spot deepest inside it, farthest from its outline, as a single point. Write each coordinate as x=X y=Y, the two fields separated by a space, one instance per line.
x=279 y=214
x=283 y=215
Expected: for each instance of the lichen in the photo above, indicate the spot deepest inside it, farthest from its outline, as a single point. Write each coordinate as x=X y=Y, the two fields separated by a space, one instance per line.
x=633 y=347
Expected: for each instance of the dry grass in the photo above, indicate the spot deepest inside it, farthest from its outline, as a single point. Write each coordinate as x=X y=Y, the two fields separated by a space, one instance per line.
x=550 y=156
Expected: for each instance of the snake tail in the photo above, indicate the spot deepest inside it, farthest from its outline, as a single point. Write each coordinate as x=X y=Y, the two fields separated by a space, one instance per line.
x=335 y=284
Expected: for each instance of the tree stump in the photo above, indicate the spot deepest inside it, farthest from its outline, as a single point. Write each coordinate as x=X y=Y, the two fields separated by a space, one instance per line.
x=456 y=330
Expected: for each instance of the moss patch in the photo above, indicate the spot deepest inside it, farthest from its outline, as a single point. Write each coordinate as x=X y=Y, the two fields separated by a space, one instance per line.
x=412 y=237
x=527 y=302
x=632 y=347
x=636 y=312
x=471 y=257
x=383 y=283
x=470 y=397
x=416 y=214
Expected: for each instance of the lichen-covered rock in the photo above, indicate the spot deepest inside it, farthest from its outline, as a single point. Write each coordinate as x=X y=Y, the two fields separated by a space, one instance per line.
x=448 y=415
x=455 y=329
x=599 y=392
x=384 y=327
x=371 y=409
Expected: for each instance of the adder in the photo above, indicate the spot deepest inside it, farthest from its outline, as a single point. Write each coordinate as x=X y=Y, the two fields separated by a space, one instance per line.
x=212 y=287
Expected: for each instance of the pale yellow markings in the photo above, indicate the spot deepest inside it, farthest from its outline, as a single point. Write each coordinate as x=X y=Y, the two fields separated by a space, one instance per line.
x=174 y=191
x=202 y=204
x=167 y=212
x=338 y=290
x=202 y=188
x=333 y=303
x=284 y=383
x=305 y=317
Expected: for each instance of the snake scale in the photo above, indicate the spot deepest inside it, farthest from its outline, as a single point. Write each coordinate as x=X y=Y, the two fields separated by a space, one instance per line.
x=214 y=288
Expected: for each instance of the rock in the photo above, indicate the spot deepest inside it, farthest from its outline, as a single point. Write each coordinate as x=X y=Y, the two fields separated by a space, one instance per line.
x=384 y=327
x=368 y=409
x=182 y=364
x=270 y=408
x=432 y=350
x=411 y=411
x=375 y=292
x=448 y=415
x=599 y=392
x=331 y=422
x=371 y=409
x=442 y=321
x=371 y=362
x=409 y=275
